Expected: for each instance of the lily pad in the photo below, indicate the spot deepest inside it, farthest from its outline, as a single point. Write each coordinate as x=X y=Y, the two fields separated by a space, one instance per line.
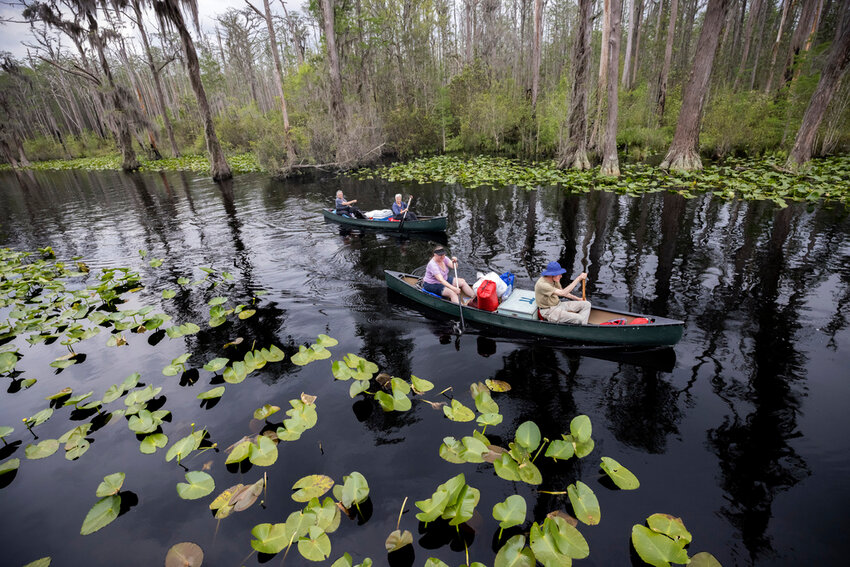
x=515 y=554
x=263 y=453
x=198 y=484
x=704 y=559
x=620 y=475
x=216 y=364
x=9 y=466
x=497 y=385
x=528 y=435
x=312 y=486
x=326 y=341
x=101 y=514
x=266 y=411
x=657 y=549
x=458 y=412
x=184 y=554
x=43 y=562
x=152 y=442
x=398 y=539
x=316 y=547
x=41 y=450
x=671 y=526
x=585 y=504
x=270 y=538
x=511 y=512
x=212 y=394
x=111 y=485
x=420 y=385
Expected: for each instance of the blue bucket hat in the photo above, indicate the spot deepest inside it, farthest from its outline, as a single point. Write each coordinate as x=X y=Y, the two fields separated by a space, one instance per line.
x=553 y=269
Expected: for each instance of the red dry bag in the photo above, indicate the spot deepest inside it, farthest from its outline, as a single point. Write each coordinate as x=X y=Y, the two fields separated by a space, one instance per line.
x=488 y=299
x=639 y=321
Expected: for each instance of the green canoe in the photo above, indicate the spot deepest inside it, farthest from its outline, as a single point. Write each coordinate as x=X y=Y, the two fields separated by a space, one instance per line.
x=423 y=224
x=660 y=331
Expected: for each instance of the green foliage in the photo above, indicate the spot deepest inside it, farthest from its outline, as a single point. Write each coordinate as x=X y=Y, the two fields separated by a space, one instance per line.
x=745 y=123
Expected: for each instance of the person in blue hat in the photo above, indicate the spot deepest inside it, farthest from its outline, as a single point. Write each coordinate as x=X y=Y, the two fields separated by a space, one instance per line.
x=548 y=293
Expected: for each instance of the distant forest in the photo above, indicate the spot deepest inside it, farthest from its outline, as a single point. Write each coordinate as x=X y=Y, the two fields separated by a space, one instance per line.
x=339 y=83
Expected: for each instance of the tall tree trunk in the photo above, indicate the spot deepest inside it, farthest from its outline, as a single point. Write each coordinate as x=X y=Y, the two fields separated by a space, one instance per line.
x=757 y=53
x=755 y=10
x=287 y=135
x=636 y=51
x=574 y=154
x=469 y=14
x=775 y=50
x=535 y=53
x=337 y=108
x=629 y=35
x=122 y=127
x=160 y=98
x=219 y=168
x=686 y=32
x=597 y=132
x=836 y=65
x=610 y=162
x=668 y=58
x=684 y=151
x=806 y=27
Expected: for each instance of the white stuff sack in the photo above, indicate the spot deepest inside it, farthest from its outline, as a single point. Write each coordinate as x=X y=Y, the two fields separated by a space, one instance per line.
x=501 y=286
x=378 y=213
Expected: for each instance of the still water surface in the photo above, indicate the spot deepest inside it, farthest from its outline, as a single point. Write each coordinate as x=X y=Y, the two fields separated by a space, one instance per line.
x=740 y=430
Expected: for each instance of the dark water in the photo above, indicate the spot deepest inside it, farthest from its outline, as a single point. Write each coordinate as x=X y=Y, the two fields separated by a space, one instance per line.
x=741 y=430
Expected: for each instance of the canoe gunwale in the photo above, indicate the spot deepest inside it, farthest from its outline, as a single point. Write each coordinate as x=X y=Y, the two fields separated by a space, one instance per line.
x=661 y=332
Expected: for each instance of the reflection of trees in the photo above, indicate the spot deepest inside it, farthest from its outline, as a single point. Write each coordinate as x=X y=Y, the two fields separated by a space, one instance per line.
x=541 y=391
x=755 y=456
x=642 y=408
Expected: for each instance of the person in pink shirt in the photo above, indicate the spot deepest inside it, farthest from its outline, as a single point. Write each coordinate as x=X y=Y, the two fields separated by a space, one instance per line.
x=438 y=281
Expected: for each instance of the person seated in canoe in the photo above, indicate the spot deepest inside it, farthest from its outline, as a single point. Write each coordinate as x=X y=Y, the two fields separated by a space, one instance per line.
x=438 y=281
x=346 y=207
x=548 y=293
x=399 y=208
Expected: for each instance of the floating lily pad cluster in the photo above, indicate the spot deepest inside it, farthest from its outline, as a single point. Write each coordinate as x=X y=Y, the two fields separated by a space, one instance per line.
x=752 y=179
x=48 y=302
x=240 y=163
x=309 y=527
x=664 y=542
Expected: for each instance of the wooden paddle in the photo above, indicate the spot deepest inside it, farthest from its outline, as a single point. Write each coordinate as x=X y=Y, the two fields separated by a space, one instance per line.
x=404 y=216
x=583 y=295
x=459 y=299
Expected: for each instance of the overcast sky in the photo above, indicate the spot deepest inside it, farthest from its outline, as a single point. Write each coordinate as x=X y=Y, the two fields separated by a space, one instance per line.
x=11 y=34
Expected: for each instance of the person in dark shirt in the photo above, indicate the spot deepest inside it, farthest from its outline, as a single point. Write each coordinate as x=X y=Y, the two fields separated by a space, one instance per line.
x=346 y=207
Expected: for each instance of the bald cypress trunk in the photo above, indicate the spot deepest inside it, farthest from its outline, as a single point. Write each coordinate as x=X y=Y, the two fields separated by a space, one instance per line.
x=219 y=168
x=574 y=153
x=610 y=161
x=287 y=137
x=684 y=151
x=830 y=78
x=122 y=128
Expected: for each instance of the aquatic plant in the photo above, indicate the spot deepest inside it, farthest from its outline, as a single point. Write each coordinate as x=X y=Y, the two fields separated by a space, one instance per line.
x=827 y=178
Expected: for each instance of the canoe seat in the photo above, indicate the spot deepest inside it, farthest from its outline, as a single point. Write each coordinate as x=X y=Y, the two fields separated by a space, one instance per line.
x=423 y=290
